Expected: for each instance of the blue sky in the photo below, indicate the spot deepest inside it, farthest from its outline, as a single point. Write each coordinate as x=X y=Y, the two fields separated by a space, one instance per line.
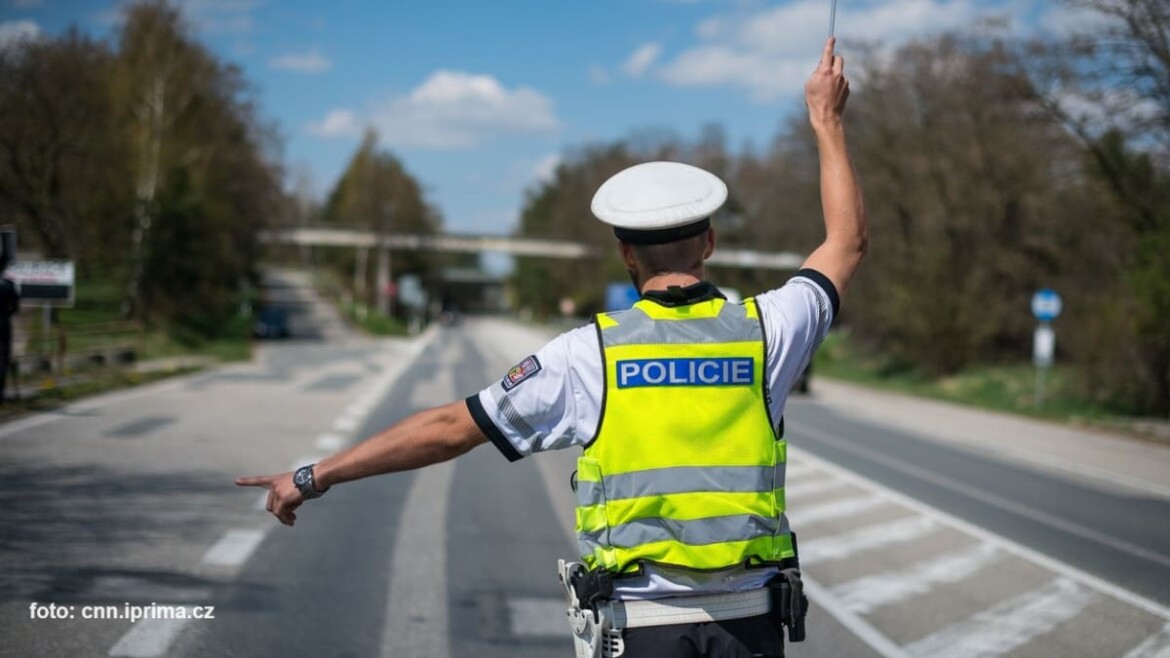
x=479 y=99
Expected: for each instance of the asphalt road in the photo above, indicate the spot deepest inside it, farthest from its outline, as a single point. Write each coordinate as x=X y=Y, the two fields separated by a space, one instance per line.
x=912 y=547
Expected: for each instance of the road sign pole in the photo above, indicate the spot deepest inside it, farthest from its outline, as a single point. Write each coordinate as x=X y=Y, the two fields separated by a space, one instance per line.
x=1040 y=372
x=1046 y=307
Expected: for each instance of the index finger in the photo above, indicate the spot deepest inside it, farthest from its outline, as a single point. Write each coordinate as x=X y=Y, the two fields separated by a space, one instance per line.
x=256 y=481
x=827 y=53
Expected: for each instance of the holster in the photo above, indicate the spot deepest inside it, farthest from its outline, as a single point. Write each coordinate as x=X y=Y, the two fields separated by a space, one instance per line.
x=789 y=604
x=593 y=633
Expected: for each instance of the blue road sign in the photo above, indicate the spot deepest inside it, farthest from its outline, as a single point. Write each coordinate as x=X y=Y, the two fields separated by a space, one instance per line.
x=1046 y=305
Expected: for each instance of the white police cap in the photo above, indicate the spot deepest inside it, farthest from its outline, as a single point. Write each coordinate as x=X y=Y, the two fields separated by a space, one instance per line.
x=657 y=202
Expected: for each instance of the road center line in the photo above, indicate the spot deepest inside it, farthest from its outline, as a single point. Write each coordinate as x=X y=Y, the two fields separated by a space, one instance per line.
x=416 y=610
x=234 y=548
x=329 y=443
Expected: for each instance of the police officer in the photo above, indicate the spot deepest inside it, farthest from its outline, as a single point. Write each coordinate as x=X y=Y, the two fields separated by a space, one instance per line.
x=677 y=404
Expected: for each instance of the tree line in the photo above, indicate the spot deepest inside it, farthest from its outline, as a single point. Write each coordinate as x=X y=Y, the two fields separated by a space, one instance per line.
x=992 y=166
x=146 y=162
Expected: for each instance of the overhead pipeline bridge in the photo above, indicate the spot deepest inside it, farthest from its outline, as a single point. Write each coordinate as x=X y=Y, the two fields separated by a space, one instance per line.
x=455 y=243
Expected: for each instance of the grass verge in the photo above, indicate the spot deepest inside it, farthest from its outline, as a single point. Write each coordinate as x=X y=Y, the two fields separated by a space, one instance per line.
x=1009 y=387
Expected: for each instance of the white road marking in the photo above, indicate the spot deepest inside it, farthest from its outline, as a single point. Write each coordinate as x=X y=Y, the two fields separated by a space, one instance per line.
x=329 y=443
x=358 y=409
x=416 y=615
x=885 y=647
x=537 y=617
x=139 y=588
x=866 y=594
x=865 y=538
x=799 y=470
x=989 y=498
x=1007 y=545
x=346 y=424
x=149 y=638
x=801 y=515
x=416 y=611
x=810 y=487
x=234 y=548
x=871 y=636
x=1155 y=646
x=1009 y=625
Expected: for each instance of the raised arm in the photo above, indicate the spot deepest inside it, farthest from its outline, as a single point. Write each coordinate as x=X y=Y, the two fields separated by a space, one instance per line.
x=428 y=437
x=846 y=227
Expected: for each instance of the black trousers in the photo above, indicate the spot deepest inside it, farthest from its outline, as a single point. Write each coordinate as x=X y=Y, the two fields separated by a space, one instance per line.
x=750 y=637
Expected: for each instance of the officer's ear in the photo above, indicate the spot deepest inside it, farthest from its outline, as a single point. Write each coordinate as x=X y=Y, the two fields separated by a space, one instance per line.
x=710 y=248
x=628 y=257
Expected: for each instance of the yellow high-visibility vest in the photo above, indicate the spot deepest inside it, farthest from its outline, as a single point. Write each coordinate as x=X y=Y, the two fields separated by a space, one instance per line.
x=686 y=469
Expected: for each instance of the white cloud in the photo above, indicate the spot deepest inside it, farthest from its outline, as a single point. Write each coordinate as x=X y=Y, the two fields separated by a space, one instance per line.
x=454 y=109
x=449 y=110
x=13 y=32
x=546 y=167
x=642 y=59
x=598 y=75
x=338 y=123
x=311 y=61
x=770 y=52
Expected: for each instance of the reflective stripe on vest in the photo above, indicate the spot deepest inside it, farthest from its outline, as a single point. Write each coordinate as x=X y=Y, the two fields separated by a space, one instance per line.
x=686 y=469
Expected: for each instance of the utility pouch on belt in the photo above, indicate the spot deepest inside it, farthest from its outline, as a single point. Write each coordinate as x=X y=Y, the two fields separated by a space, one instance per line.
x=789 y=604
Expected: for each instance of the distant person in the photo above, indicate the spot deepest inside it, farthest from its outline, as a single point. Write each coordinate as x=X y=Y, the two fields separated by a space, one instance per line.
x=9 y=306
x=677 y=404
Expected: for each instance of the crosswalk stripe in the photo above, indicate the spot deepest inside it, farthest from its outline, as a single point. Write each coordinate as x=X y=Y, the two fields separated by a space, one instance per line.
x=833 y=509
x=799 y=469
x=1155 y=646
x=871 y=592
x=1009 y=625
x=810 y=487
x=865 y=538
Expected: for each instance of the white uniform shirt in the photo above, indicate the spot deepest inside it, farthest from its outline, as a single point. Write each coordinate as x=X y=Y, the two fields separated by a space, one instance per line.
x=552 y=400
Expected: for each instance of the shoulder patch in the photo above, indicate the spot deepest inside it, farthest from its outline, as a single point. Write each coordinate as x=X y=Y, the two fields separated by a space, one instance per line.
x=519 y=372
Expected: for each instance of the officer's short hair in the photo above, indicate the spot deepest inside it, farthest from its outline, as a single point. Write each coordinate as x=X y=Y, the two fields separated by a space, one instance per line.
x=679 y=256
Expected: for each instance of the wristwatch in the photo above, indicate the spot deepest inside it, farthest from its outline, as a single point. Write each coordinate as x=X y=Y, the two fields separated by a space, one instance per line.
x=303 y=478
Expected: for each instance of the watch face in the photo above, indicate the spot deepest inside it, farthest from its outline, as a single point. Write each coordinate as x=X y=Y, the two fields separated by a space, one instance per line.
x=301 y=477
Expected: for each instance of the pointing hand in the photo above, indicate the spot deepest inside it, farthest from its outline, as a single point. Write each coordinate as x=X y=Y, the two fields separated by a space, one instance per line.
x=283 y=496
